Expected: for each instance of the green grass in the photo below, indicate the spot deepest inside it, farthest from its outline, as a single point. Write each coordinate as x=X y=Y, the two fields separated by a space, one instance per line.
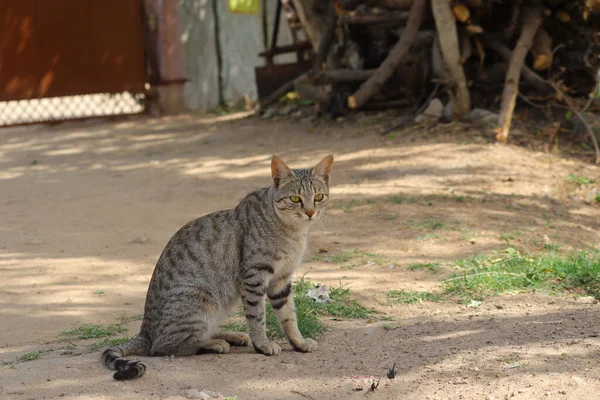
x=580 y=180
x=92 y=332
x=431 y=267
x=30 y=356
x=348 y=207
x=397 y=200
x=481 y=277
x=597 y=198
x=428 y=236
x=109 y=342
x=431 y=223
x=513 y=235
x=410 y=297
x=511 y=270
x=342 y=305
x=126 y=318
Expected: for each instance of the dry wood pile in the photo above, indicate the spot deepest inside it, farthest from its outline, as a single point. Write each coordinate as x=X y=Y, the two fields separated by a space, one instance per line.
x=473 y=53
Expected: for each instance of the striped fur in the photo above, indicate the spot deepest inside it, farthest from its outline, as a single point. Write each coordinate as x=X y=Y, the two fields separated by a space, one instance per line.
x=250 y=253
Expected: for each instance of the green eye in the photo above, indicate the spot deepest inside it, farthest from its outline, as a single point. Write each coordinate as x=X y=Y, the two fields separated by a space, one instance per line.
x=295 y=199
x=319 y=197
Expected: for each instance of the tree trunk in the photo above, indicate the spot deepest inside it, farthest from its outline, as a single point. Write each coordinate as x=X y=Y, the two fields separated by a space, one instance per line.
x=391 y=63
x=448 y=39
x=313 y=23
x=531 y=21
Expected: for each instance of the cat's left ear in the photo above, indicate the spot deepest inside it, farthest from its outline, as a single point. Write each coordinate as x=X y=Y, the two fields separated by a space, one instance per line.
x=279 y=170
x=323 y=168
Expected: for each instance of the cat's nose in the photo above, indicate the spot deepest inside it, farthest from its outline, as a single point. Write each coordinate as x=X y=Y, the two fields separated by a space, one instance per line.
x=309 y=213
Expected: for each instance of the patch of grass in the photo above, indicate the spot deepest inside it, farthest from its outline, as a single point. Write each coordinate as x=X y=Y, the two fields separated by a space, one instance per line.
x=431 y=223
x=431 y=267
x=348 y=207
x=126 y=318
x=551 y=246
x=234 y=326
x=344 y=306
x=397 y=200
x=411 y=297
x=34 y=355
x=92 y=332
x=109 y=342
x=385 y=216
x=511 y=270
x=597 y=198
x=428 y=236
x=513 y=235
x=580 y=180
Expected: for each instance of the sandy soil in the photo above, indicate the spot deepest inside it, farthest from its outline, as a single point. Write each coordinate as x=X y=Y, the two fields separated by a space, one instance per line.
x=86 y=208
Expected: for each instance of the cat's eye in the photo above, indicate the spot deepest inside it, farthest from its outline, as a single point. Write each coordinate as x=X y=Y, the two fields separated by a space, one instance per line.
x=319 y=197
x=295 y=199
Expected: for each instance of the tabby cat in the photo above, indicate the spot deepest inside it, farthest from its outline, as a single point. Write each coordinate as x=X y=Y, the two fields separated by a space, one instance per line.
x=213 y=261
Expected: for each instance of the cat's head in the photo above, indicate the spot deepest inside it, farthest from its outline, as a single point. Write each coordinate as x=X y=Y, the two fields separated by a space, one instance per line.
x=301 y=195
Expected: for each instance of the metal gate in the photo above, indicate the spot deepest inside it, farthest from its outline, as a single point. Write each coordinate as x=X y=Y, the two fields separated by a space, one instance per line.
x=65 y=59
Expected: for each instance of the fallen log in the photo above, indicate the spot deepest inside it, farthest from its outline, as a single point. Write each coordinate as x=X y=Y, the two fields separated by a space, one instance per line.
x=341 y=76
x=350 y=5
x=541 y=50
x=531 y=21
x=460 y=11
x=448 y=40
x=374 y=84
x=398 y=18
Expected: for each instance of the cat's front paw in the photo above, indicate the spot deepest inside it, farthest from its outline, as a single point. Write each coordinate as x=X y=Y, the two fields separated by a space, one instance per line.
x=305 y=346
x=267 y=348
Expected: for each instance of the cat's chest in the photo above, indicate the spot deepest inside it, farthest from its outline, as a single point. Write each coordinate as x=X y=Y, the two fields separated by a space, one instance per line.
x=288 y=256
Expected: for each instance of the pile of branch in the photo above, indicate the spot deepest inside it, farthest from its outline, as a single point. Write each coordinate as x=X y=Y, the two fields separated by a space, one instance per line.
x=482 y=53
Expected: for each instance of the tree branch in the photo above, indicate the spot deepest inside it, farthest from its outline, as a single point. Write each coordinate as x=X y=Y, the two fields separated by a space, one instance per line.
x=448 y=39
x=391 y=63
x=531 y=21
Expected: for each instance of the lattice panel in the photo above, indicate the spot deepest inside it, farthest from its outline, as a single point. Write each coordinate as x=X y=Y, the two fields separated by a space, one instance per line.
x=70 y=107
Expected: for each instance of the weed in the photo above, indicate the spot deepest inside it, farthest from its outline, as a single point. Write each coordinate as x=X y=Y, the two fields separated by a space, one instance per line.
x=348 y=207
x=431 y=223
x=126 y=318
x=597 y=198
x=410 y=297
x=428 y=236
x=580 y=180
x=512 y=271
x=34 y=355
x=397 y=200
x=109 y=342
x=431 y=267
x=513 y=235
x=344 y=306
x=92 y=331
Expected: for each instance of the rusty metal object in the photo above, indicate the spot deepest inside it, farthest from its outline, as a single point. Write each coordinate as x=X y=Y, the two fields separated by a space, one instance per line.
x=78 y=47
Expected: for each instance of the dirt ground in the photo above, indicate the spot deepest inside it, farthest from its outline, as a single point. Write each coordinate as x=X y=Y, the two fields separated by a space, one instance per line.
x=86 y=209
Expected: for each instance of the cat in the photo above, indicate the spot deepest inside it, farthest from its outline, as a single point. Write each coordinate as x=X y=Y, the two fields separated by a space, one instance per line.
x=210 y=263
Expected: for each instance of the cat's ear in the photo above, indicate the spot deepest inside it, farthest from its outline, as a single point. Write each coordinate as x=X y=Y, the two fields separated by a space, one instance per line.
x=279 y=170
x=323 y=168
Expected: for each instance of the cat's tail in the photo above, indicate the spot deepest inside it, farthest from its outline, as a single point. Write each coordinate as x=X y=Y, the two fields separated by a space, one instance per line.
x=114 y=358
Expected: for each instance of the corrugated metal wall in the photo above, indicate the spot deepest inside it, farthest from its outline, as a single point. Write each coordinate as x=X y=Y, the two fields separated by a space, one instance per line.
x=240 y=39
